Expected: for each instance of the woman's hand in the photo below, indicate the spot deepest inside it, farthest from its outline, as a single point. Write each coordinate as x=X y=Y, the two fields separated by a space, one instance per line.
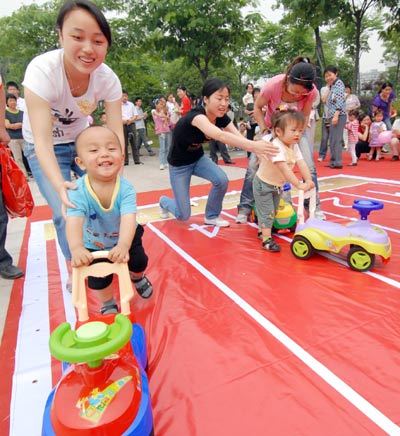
x=335 y=120
x=62 y=192
x=265 y=148
x=4 y=136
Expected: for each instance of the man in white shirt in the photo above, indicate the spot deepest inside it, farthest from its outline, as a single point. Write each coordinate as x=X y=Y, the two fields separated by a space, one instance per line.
x=128 y=121
x=13 y=88
x=141 y=137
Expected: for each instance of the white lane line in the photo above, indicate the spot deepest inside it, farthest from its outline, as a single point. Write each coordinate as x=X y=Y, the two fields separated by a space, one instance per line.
x=388 y=182
x=330 y=256
x=321 y=370
x=70 y=315
x=396 y=194
x=32 y=380
x=383 y=200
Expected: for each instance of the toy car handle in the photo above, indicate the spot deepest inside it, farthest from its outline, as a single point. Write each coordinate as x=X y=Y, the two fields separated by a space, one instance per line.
x=312 y=195
x=67 y=346
x=100 y=269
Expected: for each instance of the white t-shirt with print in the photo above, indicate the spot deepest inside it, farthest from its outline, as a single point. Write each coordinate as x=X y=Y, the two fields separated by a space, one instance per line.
x=268 y=172
x=45 y=76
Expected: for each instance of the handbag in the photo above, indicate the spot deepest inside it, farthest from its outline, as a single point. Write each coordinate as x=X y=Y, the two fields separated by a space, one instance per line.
x=17 y=195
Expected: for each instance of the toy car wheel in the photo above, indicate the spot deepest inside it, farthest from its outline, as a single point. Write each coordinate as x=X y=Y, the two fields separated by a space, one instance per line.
x=301 y=248
x=359 y=259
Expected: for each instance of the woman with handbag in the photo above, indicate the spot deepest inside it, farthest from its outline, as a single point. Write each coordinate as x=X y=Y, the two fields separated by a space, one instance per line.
x=7 y=269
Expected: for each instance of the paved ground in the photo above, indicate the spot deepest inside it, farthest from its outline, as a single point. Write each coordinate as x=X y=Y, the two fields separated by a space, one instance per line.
x=147 y=177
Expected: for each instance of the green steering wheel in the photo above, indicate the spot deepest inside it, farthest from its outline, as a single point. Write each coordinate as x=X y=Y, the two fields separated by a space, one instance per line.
x=91 y=342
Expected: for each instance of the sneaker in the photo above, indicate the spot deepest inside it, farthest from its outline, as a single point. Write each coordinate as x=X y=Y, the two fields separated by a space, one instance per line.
x=151 y=153
x=144 y=287
x=395 y=157
x=384 y=150
x=270 y=245
x=320 y=215
x=259 y=235
x=354 y=164
x=218 y=222
x=11 y=272
x=109 y=309
x=320 y=159
x=162 y=167
x=139 y=163
x=241 y=218
x=164 y=213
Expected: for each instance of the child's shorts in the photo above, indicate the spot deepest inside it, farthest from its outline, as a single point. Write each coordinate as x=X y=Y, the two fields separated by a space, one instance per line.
x=137 y=261
x=266 y=198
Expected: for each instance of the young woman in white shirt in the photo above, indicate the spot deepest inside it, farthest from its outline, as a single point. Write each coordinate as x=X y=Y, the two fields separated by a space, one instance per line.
x=62 y=87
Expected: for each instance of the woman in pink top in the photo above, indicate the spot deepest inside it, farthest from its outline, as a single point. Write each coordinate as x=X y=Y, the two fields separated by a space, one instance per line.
x=163 y=130
x=295 y=90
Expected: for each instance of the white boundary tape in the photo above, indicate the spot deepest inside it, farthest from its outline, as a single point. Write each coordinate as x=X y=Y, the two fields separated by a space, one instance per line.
x=321 y=370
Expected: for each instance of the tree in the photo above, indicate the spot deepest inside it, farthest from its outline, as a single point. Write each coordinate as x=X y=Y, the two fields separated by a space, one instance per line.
x=201 y=32
x=392 y=55
x=315 y=14
x=24 y=35
x=279 y=43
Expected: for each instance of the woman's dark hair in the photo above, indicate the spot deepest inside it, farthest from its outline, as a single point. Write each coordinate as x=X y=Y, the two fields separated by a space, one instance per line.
x=256 y=89
x=331 y=69
x=12 y=83
x=213 y=85
x=249 y=84
x=385 y=85
x=8 y=96
x=92 y=9
x=281 y=119
x=363 y=115
x=348 y=86
x=301 y=72
x=183 y=88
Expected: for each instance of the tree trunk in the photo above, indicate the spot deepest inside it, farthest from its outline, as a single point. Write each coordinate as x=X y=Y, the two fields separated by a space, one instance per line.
x=356 y=75
x=319 y=52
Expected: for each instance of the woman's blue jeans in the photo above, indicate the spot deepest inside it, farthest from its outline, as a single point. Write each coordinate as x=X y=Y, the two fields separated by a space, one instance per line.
x=180 y=182
x=65 y=155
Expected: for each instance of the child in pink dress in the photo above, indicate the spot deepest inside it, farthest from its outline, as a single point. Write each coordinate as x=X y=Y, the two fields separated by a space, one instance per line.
x=377 y=127
x=163 y=130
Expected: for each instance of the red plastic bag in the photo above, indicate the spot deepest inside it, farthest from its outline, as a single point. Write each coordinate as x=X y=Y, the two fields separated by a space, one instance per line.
x=17 y=195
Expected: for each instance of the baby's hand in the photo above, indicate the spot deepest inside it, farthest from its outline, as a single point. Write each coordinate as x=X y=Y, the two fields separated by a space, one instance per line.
x=80 y=257
x=119 y=254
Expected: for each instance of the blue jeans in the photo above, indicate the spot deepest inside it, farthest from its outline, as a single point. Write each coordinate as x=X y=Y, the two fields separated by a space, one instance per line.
x=5 y=258
x=164 y=140
x=65 y=155
x=180 y=182
x=246 y=195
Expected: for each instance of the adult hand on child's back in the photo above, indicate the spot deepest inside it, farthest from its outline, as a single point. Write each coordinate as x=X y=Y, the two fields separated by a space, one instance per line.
x=63 y=193
x=119 y=254
x=265 y=148
x=80 y=257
